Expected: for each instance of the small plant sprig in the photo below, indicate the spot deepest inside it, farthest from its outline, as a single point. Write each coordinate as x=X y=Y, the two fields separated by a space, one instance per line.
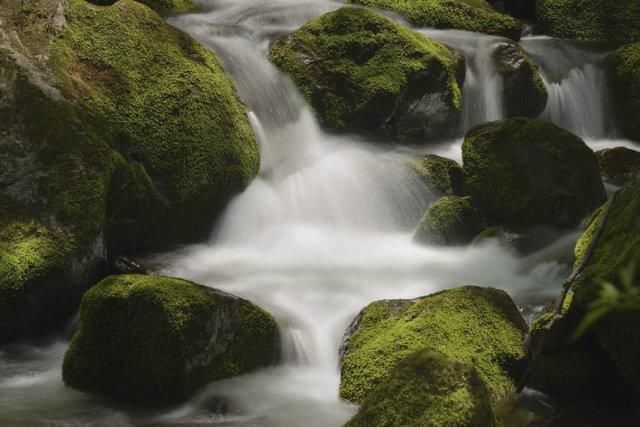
x=612 y=299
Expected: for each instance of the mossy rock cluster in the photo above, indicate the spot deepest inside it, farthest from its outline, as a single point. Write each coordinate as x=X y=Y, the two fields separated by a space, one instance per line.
x=612 y=344
x=477 y=326
x=623 y=67
x=468 y=15
x=160 y=6
x=441 y=176
x=450 y=221
x=122 y=134
x=619 y=165
x=156 y=340
x=527 y=171
x=428 y=389
x=361 y=71
x=525 y=94
x=590 y=19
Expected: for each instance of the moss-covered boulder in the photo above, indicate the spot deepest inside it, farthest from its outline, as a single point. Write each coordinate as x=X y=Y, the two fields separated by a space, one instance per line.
x=525 y=94
x=428 y=389
x=619 y=165
x=450 y=220
x=469 y=15
x=157 y=340
x=160 y=6
x=527 y=171
x=360 y=70
x=479 y=326
x=590 y=19
x=623 y=67
x=120 y=133
x=441 y=176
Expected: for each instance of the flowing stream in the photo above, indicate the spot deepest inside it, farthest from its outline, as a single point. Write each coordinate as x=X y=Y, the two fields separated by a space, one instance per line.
x=323 y=230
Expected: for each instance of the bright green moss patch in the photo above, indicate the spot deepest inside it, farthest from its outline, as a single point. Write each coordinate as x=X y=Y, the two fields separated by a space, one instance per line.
x=160 y=6
x=162 y=100
x=428 y=389
x=450 y=220
x=527 y=171
x=469 y=15
x=361 y=70
x=590 y=19
x=440 y=175
x=479 y=326
x=623 y=68
x=157 y=340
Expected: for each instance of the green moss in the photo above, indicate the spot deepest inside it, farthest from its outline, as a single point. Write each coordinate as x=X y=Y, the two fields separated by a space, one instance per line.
x=525 y=93
x=619 y=165
x=469 y=15
x=440 y=175
x=590 y=19
x=623 y=68
x=357 y=68
x=157 y=339
x=160 y=6
x=527 y=171
x=428 y=389
x=450 y=220
x=154 y=91
x=474 y=325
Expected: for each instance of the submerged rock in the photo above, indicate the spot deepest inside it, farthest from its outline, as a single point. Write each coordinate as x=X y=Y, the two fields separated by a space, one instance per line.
x=525 y=94
x=527 y=171
x=428 y=389
x=522 y=240
x=114 y=137
x=157 y=340
x=623 y=67
x=477 y=326
x=360 y=70
x=441 y=176
x=450 y=220
x=469 y=15
x=619 y=165
x=595 y=20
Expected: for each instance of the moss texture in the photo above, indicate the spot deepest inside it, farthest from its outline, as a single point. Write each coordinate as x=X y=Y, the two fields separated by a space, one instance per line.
x=479 y=326
x=469 y=15
x=157 y=340
x=527 y=171
x=590 y=19
x=450 y=220
x=619 y=165
x=525 y=93
x=160 y=6
x=623 y=68
x=428 y=389
x=361 y=70
x=441 y=176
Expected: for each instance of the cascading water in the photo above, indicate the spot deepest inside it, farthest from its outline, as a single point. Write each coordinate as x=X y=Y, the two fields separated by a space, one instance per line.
x=322 y=231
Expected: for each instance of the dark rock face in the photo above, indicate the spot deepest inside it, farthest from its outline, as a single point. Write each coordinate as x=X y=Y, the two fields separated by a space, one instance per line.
x=524 y=91
x=361 y=71
x=623 y=69
x=157 y=340
x=619 y=165
x=527 y=171
x=523 y=9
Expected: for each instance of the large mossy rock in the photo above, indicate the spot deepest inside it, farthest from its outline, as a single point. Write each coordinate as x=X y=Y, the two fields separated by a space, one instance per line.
x=590 y=19
x=441 y=176
x=160 y=6
x=527 y=171
x=157 y=340
x=120 y=133
x=360 y=70
x=478 y=326
x=450 y=220
x=469 y=15
x=525 y=93
x=611 y=349
x=623 y=68
x=619 y=165
x=428 y=389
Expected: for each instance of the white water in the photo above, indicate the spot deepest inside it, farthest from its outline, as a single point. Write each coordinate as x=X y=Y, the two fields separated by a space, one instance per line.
x=322 y=231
